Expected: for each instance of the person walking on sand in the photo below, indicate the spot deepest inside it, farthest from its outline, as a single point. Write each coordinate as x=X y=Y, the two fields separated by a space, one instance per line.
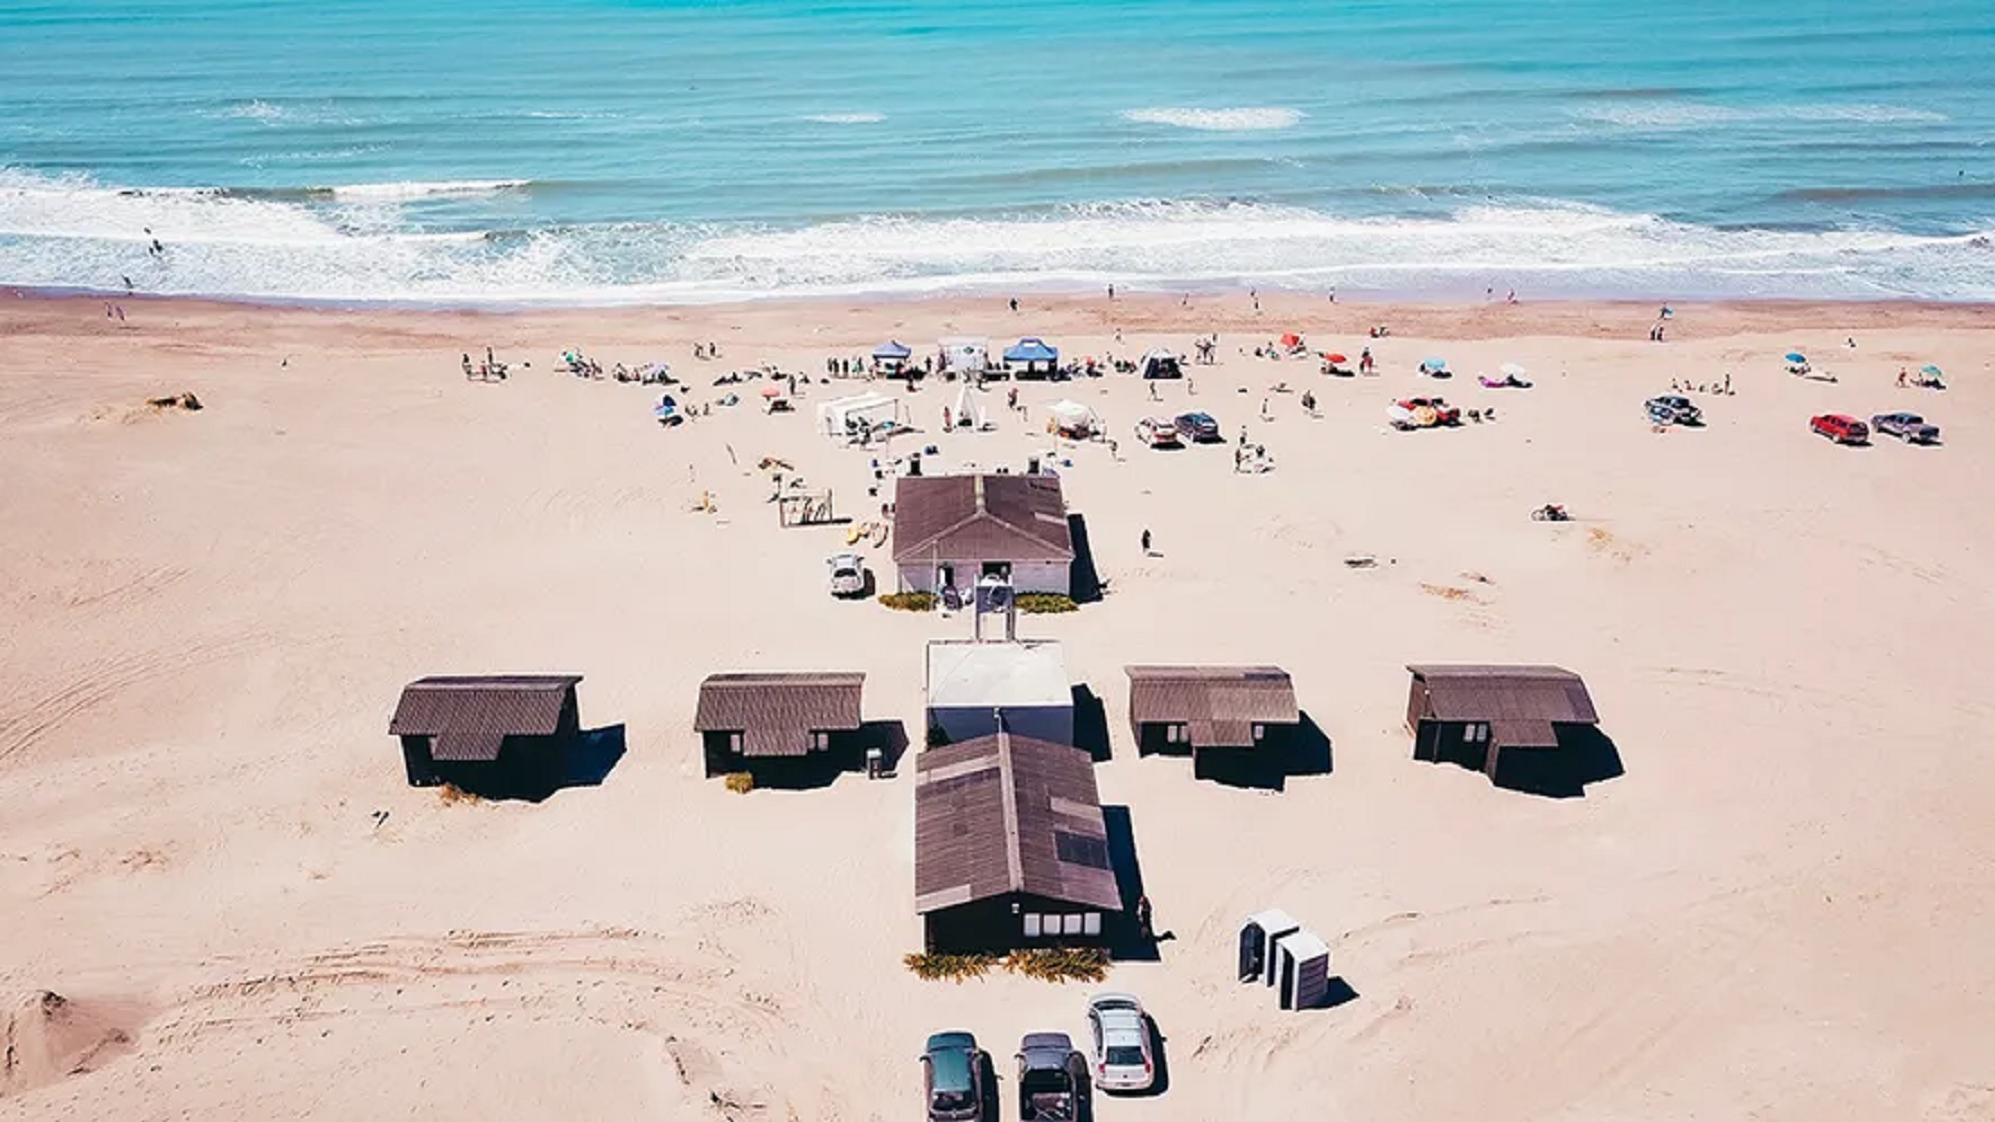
x=1146 y=542
x=1111 y=292
x=1143 y=919
x=1014 y=303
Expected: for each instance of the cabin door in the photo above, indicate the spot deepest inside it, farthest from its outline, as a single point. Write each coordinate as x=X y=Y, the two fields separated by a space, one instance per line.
x=1253 y=952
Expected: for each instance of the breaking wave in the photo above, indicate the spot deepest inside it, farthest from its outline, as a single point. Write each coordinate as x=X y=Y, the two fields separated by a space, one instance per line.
x=73 y=233
x=1217 y=120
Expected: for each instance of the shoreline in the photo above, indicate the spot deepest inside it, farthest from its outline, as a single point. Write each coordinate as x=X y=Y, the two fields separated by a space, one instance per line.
x=853 y=321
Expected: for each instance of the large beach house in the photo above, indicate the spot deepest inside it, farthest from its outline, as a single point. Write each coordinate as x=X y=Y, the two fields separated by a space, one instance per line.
x=953 y=530
x=1011 y=849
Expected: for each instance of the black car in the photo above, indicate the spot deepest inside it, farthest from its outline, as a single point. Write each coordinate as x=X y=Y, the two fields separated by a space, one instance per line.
x=1050 y=1074
x=1673 y=409
x=1199 y=428
x=1908 y=427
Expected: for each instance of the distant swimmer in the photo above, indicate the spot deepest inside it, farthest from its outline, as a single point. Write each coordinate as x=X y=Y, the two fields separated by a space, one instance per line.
x=129 y=289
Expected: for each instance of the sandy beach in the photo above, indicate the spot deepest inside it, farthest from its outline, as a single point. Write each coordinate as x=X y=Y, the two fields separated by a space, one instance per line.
x=1784 y=909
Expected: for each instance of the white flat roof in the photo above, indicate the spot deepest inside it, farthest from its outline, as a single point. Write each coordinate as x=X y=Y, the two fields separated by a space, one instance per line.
x=963 y=674
x=1304 y=944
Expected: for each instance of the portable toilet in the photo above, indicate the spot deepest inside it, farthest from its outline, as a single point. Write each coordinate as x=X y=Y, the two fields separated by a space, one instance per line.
x=1257 y=941
x=1301 y=970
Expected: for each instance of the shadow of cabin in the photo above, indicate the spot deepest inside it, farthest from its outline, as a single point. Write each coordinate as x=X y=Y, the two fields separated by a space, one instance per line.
x=1085 y=580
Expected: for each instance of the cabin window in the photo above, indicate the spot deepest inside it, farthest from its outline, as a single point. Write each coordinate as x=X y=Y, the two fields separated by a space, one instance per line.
x=820 y=741
x=1091 y=924
x=1468 y=734
x=1032 y=925
x=1174 y=734
x=734 y=742
x=1260 y=731
x=1070 y=924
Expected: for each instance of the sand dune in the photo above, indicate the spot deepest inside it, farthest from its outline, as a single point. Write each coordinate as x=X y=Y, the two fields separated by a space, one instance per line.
x=1782 y=909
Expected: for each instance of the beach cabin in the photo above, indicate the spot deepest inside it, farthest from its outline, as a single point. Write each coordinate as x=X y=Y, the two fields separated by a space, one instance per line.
x=1031 y=358
x=751 y=716
x=495 y=734
x=950 y=531
x=1010 y=847
x=1257 y=943
x=891 y=357
x=1160 y=364
x=962 y=356
x=1301 y=970
x=1210 y=708
x=1473 y=714
x=976 y=689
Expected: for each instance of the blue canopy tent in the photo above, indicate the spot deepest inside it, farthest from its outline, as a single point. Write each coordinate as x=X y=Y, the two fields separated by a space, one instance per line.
x=891 y=355
x=1032 y=356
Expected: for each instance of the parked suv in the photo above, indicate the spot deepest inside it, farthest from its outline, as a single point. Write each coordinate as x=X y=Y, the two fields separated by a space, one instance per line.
x=1840 y=428
x=1049 y=1078
x=1199 y=428
x=952 y=1078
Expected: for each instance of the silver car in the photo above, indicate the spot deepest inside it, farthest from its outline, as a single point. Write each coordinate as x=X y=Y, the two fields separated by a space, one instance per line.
x=848 y=574
x=1124 y=1058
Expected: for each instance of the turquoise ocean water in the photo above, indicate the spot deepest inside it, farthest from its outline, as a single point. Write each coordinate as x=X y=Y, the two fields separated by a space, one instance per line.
x=446 y=151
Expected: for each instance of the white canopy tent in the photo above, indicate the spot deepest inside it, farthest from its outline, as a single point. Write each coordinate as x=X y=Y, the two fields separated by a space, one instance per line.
x=846 y=417
x=1072 y=419
x=969 y=413
x=963 y=354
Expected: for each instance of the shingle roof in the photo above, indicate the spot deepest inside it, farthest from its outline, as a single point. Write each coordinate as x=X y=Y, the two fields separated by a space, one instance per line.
x=1218 y=705
x=776 y=712
x=981 y=517
x=1002 y=814
x=1522 y=697
x=471 y=715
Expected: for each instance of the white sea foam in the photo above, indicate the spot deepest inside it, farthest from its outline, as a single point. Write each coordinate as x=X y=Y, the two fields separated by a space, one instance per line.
x=72 y=232
x=1670 y=115
x=1217 y=120
x=443 y=189
x=76 y=207
x=847 y=118
x=258 y=110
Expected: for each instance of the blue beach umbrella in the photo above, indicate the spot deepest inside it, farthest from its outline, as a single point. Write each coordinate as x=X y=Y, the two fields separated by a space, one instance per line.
x=1930 y=370
x=1435 y=363
x=1796 y=356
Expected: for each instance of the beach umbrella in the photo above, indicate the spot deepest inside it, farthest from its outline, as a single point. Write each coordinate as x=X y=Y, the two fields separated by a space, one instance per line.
x=1512 y=369
x=1335 y=358
x=1796 y=356
x=1434 y=363
x=772 y=390
x=1930 y=371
